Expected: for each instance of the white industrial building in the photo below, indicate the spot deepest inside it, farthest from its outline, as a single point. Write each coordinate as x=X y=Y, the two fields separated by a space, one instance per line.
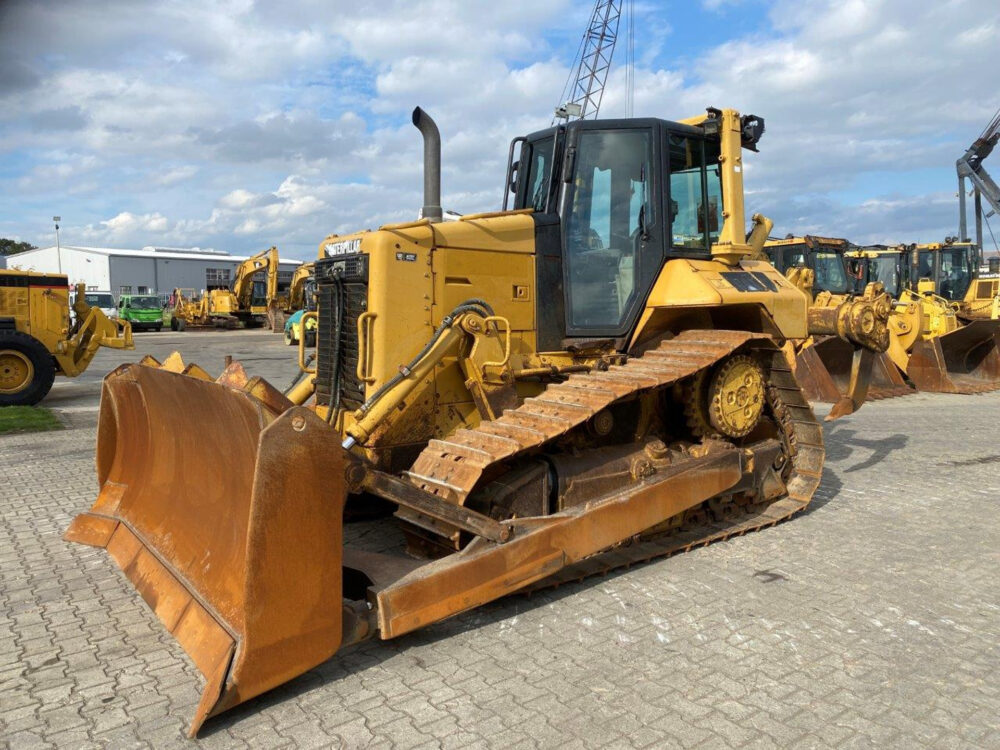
x=151 y=270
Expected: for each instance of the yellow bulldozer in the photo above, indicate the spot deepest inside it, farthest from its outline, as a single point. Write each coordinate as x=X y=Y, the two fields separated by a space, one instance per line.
x=40 y=338
x=954 y=267
x=592 y=378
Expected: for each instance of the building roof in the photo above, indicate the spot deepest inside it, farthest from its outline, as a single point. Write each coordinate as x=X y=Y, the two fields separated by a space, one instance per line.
x=168 y=253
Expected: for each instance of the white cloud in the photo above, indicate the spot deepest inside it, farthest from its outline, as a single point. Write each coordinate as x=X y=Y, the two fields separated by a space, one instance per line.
x=251 y=123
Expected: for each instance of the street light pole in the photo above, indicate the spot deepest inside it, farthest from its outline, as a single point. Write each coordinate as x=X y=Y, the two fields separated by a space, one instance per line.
x=57 y=219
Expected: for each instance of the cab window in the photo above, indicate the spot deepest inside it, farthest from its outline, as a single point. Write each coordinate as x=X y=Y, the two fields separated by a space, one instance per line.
x=695 y=192
x=830 y=276
x=608 y=212
x=539 y=175
x=925 y=265
x=956 y=274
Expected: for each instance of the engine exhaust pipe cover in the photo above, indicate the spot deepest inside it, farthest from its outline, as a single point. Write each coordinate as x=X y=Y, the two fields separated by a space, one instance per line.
x=432 y=165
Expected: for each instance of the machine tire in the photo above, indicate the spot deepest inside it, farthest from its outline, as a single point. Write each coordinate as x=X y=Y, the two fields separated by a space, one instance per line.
x=289 y=341
x=158 y=328
x=43 y=366
x=311 y=338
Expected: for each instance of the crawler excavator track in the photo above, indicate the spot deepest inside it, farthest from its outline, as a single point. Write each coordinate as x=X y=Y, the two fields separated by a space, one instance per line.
x=453 y=468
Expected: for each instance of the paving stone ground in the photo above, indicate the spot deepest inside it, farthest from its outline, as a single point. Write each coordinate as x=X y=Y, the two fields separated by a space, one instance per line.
x=871 y=621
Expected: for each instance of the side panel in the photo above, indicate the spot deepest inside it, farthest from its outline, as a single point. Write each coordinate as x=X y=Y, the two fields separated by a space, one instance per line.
x=752 y=296
x=550 y=299
x=49 y=315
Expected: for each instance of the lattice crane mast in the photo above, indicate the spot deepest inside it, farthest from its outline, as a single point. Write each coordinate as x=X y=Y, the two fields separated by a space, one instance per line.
x=584 y=89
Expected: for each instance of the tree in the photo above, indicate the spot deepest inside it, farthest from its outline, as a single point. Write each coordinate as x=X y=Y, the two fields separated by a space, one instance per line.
x=9 y=247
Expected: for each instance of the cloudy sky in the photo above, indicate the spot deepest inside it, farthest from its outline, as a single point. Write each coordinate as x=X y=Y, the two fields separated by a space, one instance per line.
x=239 y=124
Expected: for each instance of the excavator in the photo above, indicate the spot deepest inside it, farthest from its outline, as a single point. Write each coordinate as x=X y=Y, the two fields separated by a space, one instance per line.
x=826 y=365
x=300 y=288
x=592 y=378
x=248 y=302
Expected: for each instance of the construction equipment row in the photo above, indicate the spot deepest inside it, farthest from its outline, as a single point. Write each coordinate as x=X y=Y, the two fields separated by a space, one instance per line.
x=944 y=331
x=598 y=376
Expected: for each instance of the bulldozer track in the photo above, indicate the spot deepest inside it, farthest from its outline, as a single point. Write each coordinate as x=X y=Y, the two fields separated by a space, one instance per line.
x=452 y=468
x=805 y=440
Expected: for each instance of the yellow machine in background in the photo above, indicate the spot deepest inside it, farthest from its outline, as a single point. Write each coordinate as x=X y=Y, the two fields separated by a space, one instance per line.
x=249 y=301
x=38 y=340
x=954 y=268
x=836 y=369
x=297 y=296
x=929 y=342
x=600 y=368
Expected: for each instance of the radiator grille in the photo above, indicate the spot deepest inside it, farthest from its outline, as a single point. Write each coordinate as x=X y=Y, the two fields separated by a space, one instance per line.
x=986 y=289
x=346 y=278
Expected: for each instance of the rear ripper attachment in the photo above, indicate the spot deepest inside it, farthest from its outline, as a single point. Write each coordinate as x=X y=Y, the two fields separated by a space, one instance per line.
x=844 y=361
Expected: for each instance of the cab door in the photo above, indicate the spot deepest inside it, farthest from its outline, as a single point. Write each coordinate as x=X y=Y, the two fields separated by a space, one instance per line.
x=612 y=246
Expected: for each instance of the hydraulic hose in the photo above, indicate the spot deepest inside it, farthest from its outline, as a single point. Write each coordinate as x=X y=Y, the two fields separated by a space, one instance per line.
x=475 y=306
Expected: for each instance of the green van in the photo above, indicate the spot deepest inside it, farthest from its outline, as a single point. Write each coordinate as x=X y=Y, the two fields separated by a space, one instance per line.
x=143 y=311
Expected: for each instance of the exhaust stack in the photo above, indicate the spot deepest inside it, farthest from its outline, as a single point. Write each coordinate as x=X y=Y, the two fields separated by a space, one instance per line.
x=432 y=165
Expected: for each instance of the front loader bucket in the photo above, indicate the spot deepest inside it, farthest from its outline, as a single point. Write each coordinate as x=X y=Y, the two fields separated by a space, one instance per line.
x=965 y=360
x=223 y=504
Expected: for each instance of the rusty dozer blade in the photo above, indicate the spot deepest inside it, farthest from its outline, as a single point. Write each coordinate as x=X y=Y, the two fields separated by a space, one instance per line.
x=223 y=504
x=965 y=360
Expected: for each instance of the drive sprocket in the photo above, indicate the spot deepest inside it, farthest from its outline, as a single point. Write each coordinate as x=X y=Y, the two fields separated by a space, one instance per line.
x=736 y=396
x=726 y=400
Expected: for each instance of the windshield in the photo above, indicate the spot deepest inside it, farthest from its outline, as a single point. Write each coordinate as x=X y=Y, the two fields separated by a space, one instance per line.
x=144 y=303
x=99 y=300
x=956 y=274
x=885 y=268
x=258 y=295
x=830 y=276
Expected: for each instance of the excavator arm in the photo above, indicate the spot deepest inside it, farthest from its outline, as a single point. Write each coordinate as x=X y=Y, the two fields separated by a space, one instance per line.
x=247 y=272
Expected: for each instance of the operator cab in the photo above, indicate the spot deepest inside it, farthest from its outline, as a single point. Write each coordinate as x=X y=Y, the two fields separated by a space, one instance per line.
x=878 y=263
x=825 y=256
x=613 y=200
x=951 y=268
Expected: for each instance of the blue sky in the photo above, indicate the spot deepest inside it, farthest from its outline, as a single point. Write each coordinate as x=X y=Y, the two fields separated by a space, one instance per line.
x=238 y=125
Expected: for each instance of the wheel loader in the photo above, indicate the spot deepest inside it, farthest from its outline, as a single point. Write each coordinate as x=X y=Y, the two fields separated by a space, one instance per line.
x=38 y=338
x=590 y=379
x=937 y=344
x=831 y=368
x=955 y=270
